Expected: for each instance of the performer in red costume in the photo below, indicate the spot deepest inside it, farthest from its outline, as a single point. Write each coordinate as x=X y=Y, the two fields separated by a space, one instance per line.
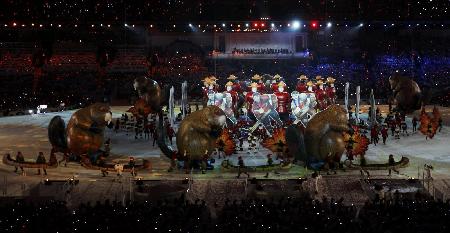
x=321 y=96
x=205 y=85
x=331 y=91
x=234 y=96
x=236 y=85
x=284 y=100
x=275 y=81
x=310 y=87
x=213 y=84
x=318 y=77
x=301 y=85
x=261 y=86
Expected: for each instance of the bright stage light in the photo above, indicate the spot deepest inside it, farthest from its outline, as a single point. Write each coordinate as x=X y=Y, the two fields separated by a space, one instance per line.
x=272 y=25
x=361 y=24
x=296 y=25
x=329 y=24
x=190 y=25
x=223 y=25
x=246 y=24
x=126 y=25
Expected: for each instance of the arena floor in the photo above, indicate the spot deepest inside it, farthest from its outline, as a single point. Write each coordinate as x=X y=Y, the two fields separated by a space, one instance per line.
x=29 y=134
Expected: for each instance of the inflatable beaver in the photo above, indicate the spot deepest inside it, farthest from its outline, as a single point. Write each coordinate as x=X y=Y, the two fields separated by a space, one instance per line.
x=84 y=132
x=199 y=131
x=150 y=91
x=407 y=95
x=322 y=135
x=197 y=134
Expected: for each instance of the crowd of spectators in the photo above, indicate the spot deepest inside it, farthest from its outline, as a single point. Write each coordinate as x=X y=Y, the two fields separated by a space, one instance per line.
x=260 y=51
x=77 y=85
x=181 y=10
x=248 y=215
x=71 y=76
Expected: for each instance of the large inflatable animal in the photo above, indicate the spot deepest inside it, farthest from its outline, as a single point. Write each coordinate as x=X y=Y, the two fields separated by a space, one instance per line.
x=150 y=91
x=322 y=137
x=197 y=134
x=84 y=132
x=407 y=95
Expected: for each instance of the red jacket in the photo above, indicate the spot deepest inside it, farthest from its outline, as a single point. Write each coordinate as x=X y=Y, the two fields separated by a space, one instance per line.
x=274 y=87
x=284 y=100
x=331 y=92
x=384 y=132
x=301 y=87
x=374 y=132
x=261 y=88
x=249 y=99
x=236 y=87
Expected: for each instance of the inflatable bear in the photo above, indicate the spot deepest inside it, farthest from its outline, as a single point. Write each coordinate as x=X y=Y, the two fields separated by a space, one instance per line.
x=84 y=132
x=199 y=130
x=407 y=95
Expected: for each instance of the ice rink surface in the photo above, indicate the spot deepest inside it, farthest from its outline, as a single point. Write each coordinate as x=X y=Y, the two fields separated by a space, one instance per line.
x=28 y=134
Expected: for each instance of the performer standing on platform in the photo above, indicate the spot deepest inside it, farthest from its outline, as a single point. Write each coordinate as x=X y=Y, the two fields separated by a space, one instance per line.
x=275 y=81
x=301 y=85
x=331 y=91
x=310 y=88
x=229 y=88
x=258 y=79
x=205 y=87
x=236 y=86
x=213 y=84
x=321 y=95
x=283 y=99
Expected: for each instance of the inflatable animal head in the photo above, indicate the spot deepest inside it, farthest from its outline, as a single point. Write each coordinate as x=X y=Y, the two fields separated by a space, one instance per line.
x=406 y=93
x=214 y=116
x=334 y=116
x=100 y=113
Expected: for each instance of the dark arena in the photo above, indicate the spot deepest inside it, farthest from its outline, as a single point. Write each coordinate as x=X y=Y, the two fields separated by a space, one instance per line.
x=225 y=116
